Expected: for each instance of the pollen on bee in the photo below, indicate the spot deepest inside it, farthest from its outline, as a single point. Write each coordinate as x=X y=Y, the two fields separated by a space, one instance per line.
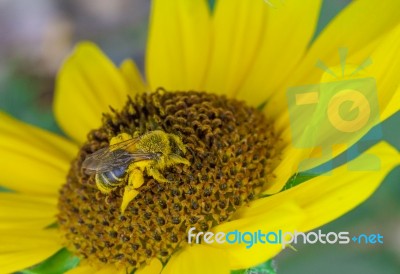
x=147 y=154
x=120 y=138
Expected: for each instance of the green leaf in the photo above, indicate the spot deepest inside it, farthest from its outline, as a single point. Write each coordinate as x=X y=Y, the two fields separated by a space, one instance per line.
x=298 y=179
x=265 y=268
x=60 y=262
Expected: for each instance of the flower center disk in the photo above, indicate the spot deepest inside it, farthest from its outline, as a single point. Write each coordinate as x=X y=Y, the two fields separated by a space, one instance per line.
x=231 y=149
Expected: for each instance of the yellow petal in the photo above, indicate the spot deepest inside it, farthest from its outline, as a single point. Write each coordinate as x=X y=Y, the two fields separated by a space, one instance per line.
x=154 y=267
x=178 y=45
x=32 y=160
x=82 y=269
x=111 y=270
x=133 y=76
x=26 y=239
x=352 y=29
x=385 y=70
x=87 y=269
x=285 y=38
x=393 y=105
x=87 y=84
x=22 y=210
x=335 y=195
x=286 y=216
x=197 y=259
x=12 y=262
x=289 y=165
x=327 y=197
x=238 y=28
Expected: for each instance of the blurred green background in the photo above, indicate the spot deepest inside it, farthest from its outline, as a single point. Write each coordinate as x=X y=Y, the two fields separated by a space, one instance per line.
x=35 y=36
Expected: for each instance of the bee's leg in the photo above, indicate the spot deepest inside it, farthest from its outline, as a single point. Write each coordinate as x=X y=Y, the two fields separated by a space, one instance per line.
x=129 y=194
x=120 y=138
x=135 y=180
x=174 y=159
x=153 y=172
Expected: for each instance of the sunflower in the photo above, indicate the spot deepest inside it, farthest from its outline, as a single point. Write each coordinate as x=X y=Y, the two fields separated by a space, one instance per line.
x=217 y=81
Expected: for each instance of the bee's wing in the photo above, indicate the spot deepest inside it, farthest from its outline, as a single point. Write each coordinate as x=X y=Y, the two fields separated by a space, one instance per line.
x=115 y=156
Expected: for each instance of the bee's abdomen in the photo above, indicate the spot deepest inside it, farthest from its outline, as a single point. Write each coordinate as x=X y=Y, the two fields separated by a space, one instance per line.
x=109 y=180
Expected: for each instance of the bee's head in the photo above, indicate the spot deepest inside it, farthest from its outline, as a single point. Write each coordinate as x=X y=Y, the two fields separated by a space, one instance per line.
x=176 y=145
x=158 y=155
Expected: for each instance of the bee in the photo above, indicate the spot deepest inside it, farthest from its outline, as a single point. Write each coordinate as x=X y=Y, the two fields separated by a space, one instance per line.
x=126 y=159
